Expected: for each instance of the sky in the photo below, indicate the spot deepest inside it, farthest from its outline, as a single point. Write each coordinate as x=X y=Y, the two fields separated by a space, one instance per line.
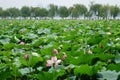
x=44 y=3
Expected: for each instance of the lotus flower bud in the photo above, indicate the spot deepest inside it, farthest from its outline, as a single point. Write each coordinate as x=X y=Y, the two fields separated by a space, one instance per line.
x=55 y=51
x=26 y=56
x=22 y=43
x=40 y=47
x=64 y=57
x=101 y=47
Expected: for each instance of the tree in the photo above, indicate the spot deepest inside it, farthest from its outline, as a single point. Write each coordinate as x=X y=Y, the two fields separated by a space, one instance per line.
x=39 y=12
x=74 y=13
x=25 y=11
x=52 y=10
x=88 y=14
x=1 y=10
x=5 y=13
x=114 y=11
x=84 y=10
x=105 y=11
x=70 y=11
x=63 y=12
x=81 y=9
x=36 y=12
x=32 y=9
x=14 y=12
x=96 y=9
x=43 y=12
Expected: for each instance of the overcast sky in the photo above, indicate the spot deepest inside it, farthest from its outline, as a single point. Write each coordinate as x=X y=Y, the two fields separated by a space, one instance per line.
x=44 y=3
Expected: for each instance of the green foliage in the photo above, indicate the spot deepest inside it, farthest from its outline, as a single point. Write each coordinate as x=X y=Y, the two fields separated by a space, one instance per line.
x=109 y=75
x=32 y=61
x=51 y=76
x=114 y=67
x=9 y=46
x=83 y=69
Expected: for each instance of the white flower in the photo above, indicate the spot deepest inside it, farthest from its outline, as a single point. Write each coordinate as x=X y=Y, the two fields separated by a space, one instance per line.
x=117 y=39
x=89 y=52
x=35 y=54
x=108 y=33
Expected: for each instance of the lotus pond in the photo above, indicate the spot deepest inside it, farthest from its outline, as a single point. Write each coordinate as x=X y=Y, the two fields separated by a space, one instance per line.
x=59 y=50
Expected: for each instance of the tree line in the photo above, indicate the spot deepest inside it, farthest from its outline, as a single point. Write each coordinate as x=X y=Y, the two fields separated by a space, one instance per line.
x=95 y=11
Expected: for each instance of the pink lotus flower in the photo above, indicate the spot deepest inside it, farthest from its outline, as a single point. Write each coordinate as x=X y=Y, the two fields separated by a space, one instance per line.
x=55 y=51
x=53 y=62
x=40 y=47
x=22 y=43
